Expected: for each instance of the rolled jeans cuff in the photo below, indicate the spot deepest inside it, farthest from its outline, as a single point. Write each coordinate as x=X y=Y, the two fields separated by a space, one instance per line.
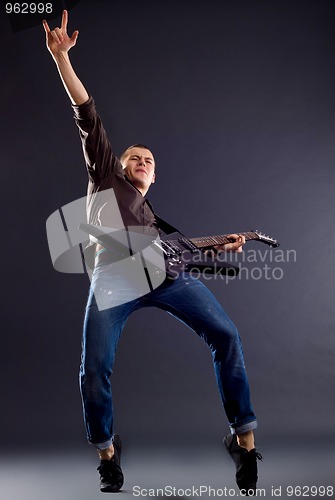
x=104 y=445
x=240 y=429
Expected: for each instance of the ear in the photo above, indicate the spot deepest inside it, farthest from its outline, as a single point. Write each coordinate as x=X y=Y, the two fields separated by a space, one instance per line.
x=153 y=178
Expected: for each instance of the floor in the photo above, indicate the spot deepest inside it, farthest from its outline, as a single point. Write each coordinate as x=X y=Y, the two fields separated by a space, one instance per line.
x=194 y=473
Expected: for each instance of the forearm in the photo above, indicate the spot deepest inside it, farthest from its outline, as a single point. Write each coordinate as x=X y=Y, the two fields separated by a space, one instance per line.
x=73 y=86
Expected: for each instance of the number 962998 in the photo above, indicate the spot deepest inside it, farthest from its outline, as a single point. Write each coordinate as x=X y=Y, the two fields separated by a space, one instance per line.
x=310 y=491
x=28 y=8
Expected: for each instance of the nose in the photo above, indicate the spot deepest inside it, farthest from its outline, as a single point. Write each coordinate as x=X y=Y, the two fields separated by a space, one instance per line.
x=141 y=161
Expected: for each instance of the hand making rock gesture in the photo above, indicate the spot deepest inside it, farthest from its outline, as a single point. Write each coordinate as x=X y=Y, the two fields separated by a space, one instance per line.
x=57 y=40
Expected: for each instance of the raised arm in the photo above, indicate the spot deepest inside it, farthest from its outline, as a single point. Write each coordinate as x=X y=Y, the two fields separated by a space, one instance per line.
x=59 y=43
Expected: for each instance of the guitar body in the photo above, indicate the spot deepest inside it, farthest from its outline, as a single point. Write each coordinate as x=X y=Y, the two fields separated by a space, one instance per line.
x=182 y=256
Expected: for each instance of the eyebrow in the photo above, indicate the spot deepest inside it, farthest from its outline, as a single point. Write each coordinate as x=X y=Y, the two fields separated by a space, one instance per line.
x=146 y=157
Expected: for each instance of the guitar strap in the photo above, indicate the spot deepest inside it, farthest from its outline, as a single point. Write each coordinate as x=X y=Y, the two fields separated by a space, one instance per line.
x=162 y=224
x=165 y=226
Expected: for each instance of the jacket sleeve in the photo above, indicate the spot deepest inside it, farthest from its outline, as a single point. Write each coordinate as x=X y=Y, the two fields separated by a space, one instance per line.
x=100 y=160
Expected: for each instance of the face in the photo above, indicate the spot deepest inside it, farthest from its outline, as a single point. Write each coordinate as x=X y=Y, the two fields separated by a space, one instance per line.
x=139 y=166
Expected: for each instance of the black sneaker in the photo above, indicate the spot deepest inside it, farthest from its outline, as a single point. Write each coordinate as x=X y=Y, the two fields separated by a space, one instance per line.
x=246 y=464
x=111 y=476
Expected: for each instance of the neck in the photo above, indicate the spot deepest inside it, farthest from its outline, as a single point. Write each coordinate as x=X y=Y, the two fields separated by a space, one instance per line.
x=141 y=190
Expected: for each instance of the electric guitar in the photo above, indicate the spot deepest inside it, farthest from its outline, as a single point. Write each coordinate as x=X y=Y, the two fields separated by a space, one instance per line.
x=195 y=254
x=181 y=254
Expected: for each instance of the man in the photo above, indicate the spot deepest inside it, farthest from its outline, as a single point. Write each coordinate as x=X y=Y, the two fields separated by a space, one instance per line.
x=184 y=297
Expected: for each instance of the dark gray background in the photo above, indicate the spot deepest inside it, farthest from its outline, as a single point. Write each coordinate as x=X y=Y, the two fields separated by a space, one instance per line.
x=236 y=100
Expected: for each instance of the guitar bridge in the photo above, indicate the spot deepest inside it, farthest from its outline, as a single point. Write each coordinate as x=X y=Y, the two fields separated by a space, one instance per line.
x=170 y=248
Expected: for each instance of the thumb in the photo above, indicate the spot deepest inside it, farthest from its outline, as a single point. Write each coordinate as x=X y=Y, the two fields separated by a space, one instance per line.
x=74 y=36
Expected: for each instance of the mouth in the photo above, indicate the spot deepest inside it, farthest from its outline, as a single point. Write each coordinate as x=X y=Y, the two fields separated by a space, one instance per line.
x=142 y=170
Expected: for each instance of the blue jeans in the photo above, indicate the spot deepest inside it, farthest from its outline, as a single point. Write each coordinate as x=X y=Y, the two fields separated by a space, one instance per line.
x=189 y=300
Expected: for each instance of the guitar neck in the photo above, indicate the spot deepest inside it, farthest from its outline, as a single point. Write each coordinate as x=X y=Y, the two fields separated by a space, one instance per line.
x=221 y=239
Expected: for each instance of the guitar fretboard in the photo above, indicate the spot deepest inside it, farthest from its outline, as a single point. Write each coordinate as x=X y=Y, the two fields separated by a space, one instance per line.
x=221 y=239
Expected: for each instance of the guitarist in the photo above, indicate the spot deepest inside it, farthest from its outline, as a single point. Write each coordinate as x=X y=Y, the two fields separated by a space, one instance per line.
x=187 y=298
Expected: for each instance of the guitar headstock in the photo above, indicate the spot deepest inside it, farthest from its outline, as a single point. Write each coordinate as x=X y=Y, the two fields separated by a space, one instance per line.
x=266 y=239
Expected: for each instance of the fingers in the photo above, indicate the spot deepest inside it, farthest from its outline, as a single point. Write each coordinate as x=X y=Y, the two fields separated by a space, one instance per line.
x=237 y=238
x=57 y=35
x=60 y=36
x=46 y=27
x=240 y=242
x=237 y=243
x=59 y=31
x=64 y=20
x=234 y=247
